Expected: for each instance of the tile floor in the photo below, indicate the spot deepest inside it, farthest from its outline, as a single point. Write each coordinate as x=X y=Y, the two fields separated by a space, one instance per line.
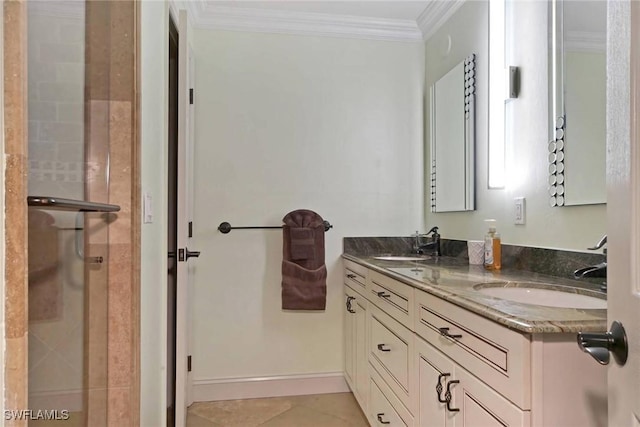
x=317 y=410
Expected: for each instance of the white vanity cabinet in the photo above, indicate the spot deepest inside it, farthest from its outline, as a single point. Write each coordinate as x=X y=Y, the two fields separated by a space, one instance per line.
x=391 y=354
x=497 y=355
x=448 y=395
x=355 y=333
x=402 y=342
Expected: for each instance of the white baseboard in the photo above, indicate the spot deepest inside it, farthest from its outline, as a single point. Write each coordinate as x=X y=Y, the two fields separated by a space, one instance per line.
x=71 y=400
x=207 y=390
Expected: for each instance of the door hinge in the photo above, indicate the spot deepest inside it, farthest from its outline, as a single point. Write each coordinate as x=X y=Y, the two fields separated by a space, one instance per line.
x=191 y=96
x=190 y=228
x=188 y=363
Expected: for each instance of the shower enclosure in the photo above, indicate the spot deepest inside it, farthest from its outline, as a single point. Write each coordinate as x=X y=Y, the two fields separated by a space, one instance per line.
x=81 y=253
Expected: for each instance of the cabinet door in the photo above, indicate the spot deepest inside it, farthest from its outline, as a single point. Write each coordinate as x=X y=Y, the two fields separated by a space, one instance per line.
x=480 y=406
x=360 y=349
x=384 y=407
x=349 y=337
x=433 y=369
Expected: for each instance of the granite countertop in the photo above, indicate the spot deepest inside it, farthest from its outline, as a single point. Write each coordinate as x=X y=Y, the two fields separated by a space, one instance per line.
x=453 y=280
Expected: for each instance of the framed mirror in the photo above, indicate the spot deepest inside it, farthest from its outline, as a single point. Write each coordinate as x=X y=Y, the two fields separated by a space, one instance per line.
x=577 y=76
x=452 y=139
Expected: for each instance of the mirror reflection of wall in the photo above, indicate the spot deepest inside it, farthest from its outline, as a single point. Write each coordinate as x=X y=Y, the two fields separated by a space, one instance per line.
x=577 y=159
x=452 y=139
x=462 y=172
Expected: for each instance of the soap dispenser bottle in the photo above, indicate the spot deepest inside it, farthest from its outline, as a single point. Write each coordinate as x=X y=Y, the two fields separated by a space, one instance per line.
x=492 y=248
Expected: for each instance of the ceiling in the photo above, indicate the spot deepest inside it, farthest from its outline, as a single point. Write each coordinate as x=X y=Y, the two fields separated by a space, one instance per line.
x=373 y=19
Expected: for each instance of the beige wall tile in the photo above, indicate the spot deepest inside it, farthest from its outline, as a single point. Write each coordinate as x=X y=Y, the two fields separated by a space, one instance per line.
x=15 y=134
x=96 y=411
x=119 y=407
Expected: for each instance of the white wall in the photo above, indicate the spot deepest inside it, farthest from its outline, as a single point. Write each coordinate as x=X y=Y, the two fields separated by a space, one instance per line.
x=573 y=228
x=154 y=21
x=286 y=122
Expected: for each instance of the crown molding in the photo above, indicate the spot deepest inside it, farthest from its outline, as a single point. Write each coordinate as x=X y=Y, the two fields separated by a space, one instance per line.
x=435 y=14
x=209 y=16
x=585 y=41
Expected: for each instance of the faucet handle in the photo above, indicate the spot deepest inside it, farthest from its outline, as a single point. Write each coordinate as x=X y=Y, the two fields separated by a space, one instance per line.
x=600 y=244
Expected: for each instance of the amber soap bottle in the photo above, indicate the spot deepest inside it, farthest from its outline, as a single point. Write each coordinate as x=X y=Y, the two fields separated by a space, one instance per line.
x=492 y=247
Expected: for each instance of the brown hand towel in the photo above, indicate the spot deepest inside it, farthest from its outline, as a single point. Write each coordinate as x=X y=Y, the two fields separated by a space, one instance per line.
x=304 y=275
x=303 y=289
x=302 y=243
x=300 y=252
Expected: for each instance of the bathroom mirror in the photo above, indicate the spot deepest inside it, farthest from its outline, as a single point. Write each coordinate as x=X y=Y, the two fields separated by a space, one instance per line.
x=577 y=73
x=452 y=139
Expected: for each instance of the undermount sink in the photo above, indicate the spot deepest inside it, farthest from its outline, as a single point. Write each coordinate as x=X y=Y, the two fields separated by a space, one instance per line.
x=544 y=294
x=402 y=257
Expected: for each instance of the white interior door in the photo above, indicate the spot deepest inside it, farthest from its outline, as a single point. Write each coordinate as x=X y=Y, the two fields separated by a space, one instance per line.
x=623 y=208
x=185 y=203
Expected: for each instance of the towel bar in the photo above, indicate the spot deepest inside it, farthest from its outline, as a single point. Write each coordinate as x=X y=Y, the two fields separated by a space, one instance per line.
x=225 y=227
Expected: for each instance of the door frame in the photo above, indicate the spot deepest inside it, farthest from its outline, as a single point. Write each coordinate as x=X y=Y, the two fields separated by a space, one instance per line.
x=184 y=189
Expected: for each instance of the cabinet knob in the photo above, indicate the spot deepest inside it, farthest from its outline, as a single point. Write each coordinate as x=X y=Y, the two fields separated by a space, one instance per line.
x=381 y=420
x=351 y=276
x=382 y=294
x=381 y=347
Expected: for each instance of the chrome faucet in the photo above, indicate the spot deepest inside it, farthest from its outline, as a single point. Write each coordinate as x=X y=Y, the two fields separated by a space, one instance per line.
x=598 y=270
x=433 y=245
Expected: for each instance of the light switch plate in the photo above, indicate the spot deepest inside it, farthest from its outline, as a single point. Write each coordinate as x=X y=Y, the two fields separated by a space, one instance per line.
x=147 y=209
x=519 y=217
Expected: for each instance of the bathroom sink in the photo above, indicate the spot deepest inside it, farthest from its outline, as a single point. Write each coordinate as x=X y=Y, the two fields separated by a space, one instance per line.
x=402 y=257
x=544 y=294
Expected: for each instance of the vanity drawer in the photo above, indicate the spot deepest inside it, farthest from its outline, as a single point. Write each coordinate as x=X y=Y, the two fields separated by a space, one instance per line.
x=355 y=275
x=385 y=408
x=395 y=298
x=390 y=349
x=494 y=353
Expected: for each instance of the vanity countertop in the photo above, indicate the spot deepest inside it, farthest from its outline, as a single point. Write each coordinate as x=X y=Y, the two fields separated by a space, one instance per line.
x=452 y=279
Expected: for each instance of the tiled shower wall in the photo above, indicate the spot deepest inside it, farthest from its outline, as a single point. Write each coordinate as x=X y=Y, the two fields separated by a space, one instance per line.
x=116 y=381
x=56 y=58
x=112 y=82
x=56 y=98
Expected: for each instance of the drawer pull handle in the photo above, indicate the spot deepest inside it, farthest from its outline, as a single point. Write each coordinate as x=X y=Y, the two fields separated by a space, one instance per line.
x=445 y=333
x=382 y=294
x=380 y=420
x=351 y=276
x=349 y=308
x=382 y=348
x=447 y=396
x=439 y=387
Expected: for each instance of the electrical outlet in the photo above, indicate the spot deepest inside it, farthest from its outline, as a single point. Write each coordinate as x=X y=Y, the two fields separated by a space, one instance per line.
x=519 y=211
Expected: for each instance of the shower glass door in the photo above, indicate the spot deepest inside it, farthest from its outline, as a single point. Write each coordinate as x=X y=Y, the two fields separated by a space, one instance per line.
x=68 y=248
